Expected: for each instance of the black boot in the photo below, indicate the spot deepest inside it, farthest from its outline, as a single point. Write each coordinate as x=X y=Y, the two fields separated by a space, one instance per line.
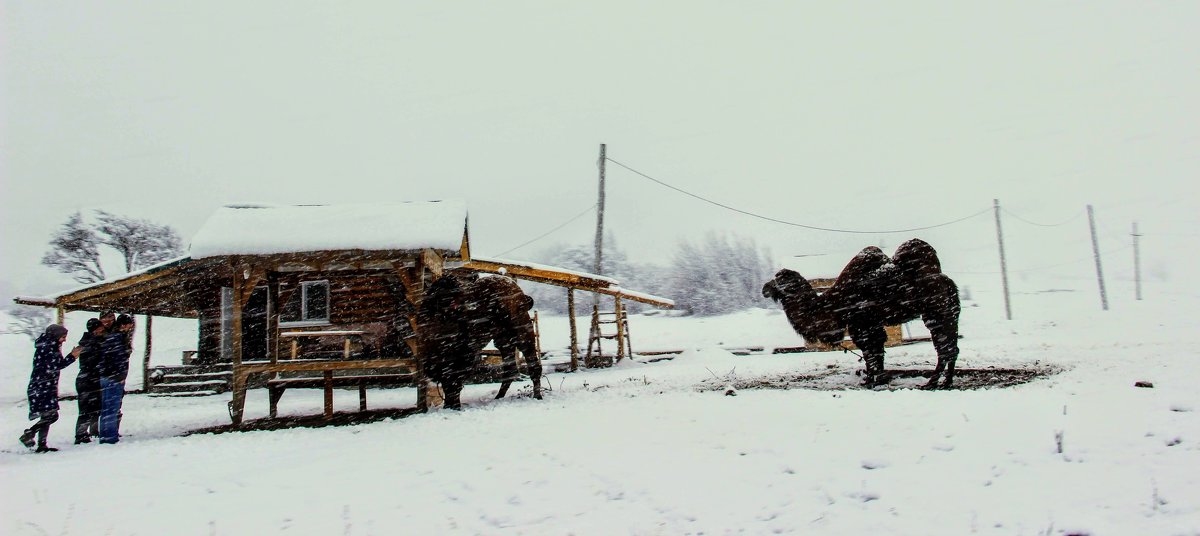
x=27 y=438
x=42 y=434
x=81 y=431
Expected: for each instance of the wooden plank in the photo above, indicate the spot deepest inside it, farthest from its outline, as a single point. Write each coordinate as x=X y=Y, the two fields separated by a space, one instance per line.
x=322 y=365
x=546 y=276
x=322 y=333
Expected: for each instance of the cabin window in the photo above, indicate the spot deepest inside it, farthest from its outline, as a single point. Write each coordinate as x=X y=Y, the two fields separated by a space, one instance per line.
x=308 y=304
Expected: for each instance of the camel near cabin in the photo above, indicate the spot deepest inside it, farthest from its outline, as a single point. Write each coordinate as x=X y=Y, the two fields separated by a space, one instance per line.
x=461 y=312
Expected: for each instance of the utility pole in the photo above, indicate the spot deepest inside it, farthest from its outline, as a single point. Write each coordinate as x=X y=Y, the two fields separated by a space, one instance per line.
x=1096 y=251
x=600 y=216
x=1137 y=264
x=1003 y=261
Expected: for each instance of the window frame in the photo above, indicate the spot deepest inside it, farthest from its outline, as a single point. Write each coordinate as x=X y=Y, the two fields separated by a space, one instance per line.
x=303 y=296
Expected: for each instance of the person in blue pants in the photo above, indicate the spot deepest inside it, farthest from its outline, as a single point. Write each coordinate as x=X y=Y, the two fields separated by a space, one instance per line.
x=114 y=368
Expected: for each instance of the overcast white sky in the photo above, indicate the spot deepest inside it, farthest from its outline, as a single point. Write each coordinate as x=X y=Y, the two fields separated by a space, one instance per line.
x=859 y=115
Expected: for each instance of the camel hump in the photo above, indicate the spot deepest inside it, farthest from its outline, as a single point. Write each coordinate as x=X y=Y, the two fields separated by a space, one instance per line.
x=862 y=265
x=918 y=258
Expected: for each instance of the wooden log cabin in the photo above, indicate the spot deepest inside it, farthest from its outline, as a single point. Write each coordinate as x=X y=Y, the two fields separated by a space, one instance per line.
x=312 y=296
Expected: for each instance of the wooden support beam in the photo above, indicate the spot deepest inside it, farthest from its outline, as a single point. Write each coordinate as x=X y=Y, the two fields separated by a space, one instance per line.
x=146 y=355
x=619 y=313
x=242 y=282
x=273 y=307
x=433 y=261
x=328 y=394
x=574 y=333
x=412 y=278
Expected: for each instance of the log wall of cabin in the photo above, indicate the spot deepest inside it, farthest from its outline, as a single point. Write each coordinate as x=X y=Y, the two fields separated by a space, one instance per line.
x=369 y=301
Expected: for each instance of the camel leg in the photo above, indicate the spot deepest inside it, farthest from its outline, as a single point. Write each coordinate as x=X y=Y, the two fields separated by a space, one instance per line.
x=945 y=343
x=533 y=365
x=503 y=389
x=535 y=376
x=870 y=340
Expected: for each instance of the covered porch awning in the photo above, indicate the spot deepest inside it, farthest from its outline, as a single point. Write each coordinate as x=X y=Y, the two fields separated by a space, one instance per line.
x=552 y=275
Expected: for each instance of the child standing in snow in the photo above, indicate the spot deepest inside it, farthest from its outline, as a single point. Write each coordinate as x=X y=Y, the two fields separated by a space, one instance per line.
x=48 y=360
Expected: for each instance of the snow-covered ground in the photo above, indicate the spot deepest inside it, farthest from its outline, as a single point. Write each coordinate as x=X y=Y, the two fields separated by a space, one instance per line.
x=646 y=449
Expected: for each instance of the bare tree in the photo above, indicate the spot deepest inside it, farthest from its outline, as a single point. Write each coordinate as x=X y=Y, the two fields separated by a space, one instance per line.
x=140 y=242
x=74 y=250
x=721 y=274
x=28 y=320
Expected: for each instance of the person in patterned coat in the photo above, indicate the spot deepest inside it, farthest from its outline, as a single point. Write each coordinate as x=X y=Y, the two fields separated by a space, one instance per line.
x=48 y=360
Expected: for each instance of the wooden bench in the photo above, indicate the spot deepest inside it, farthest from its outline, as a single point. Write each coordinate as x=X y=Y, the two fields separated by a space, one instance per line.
x=327 y=380
x=276 y=387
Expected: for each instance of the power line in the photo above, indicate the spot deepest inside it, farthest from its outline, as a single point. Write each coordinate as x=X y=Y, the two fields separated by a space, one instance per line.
x=1047 y=267
x=794 y=224
x=1069 y=220
x=548 y=233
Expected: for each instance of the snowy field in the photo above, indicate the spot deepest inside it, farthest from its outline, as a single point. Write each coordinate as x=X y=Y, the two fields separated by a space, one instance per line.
x=650 y=448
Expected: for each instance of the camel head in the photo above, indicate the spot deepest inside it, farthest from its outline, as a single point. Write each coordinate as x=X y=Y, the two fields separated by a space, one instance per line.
x=803 y=307
x=789 y=286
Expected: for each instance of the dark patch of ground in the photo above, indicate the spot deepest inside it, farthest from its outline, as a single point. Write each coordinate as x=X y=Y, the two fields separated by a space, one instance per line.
x=841 y=379
x=310 y=421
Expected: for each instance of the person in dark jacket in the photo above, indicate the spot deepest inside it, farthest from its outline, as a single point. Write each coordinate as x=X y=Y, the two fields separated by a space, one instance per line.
x=114 y=368
x=87 y=382
x=48 y=360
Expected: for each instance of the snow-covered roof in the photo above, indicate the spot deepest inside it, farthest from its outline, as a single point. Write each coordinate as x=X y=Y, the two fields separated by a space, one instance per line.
x=258 y=229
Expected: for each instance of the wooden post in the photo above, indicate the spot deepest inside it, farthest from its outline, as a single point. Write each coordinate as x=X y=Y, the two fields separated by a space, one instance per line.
x=537 y=335
x=329 y=394
x=362 y=395
x=1096 y=251
x=273 y=307
x=574 y=333
x=1137 y=264
x=238 y=404
x=62 y=315
x=428 y=394
x=146 y=356
x=618 y=309
x=243 y=281
x=1003 y=261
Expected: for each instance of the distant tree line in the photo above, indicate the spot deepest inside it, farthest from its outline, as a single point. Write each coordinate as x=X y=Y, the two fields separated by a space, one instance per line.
x=718 y=274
